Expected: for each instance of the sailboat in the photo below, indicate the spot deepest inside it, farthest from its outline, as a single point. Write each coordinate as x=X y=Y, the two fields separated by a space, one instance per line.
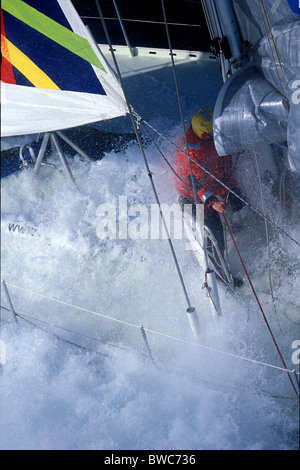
x=47 y=104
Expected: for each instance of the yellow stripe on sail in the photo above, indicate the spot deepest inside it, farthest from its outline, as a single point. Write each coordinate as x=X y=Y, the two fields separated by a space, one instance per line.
x=28 y=68
x=4 y=48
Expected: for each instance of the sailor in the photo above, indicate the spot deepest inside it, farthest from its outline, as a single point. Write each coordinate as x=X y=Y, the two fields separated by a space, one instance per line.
x=209 y=191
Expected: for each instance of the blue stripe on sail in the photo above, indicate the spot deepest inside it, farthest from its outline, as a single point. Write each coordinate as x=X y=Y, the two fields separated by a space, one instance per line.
x=51 y=9
x=295 y=6
x=67 y=70
x=20 y=78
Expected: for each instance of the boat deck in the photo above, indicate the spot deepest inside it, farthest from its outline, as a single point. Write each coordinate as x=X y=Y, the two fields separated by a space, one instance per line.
x=149 y=78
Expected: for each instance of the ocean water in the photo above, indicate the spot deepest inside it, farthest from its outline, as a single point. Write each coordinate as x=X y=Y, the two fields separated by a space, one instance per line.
x=76 y=372
x=108 y=394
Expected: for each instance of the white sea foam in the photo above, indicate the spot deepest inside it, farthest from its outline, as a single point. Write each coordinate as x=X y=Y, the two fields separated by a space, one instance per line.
x=55 y=396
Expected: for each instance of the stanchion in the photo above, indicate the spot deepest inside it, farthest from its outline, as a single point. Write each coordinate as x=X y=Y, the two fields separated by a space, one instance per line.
x=11 y=307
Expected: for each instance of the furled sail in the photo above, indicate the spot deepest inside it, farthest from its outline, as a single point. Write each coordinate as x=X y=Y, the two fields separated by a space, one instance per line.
x=260 y=100
x=53 y=75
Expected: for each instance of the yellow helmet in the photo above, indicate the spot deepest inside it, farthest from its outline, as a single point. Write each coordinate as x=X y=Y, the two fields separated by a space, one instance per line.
x=202 y=122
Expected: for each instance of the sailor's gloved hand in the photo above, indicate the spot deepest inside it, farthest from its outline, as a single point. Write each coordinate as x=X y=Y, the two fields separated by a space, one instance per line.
x=220 y=206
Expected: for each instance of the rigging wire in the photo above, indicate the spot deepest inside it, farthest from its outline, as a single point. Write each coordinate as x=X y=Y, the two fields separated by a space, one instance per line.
x=267 y=238
x=163 y=156
x=148 y=330
x=179 y=102
x=269 y=29
x=282 y=194
x=243 y=387
x=190 y=310
x=212 y=26
x=142 y=21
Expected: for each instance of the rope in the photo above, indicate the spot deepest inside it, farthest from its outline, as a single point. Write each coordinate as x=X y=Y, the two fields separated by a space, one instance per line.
x=259 y=304
x=274 y=44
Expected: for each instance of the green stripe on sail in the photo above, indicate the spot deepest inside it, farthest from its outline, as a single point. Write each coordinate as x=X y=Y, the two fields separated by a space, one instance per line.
x=53 y=30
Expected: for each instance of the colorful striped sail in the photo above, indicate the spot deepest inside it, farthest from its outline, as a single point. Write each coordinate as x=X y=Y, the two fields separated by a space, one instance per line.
x=53 y=75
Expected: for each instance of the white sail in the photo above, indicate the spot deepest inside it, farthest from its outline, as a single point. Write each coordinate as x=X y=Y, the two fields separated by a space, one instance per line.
x=53 y=75
x=260 y=101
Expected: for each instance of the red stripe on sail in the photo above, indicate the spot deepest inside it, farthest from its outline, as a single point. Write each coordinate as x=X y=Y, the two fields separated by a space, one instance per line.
x=7 y=74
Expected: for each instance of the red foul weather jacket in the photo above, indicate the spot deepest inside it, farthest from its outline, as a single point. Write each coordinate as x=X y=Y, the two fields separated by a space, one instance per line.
x=204 y=152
